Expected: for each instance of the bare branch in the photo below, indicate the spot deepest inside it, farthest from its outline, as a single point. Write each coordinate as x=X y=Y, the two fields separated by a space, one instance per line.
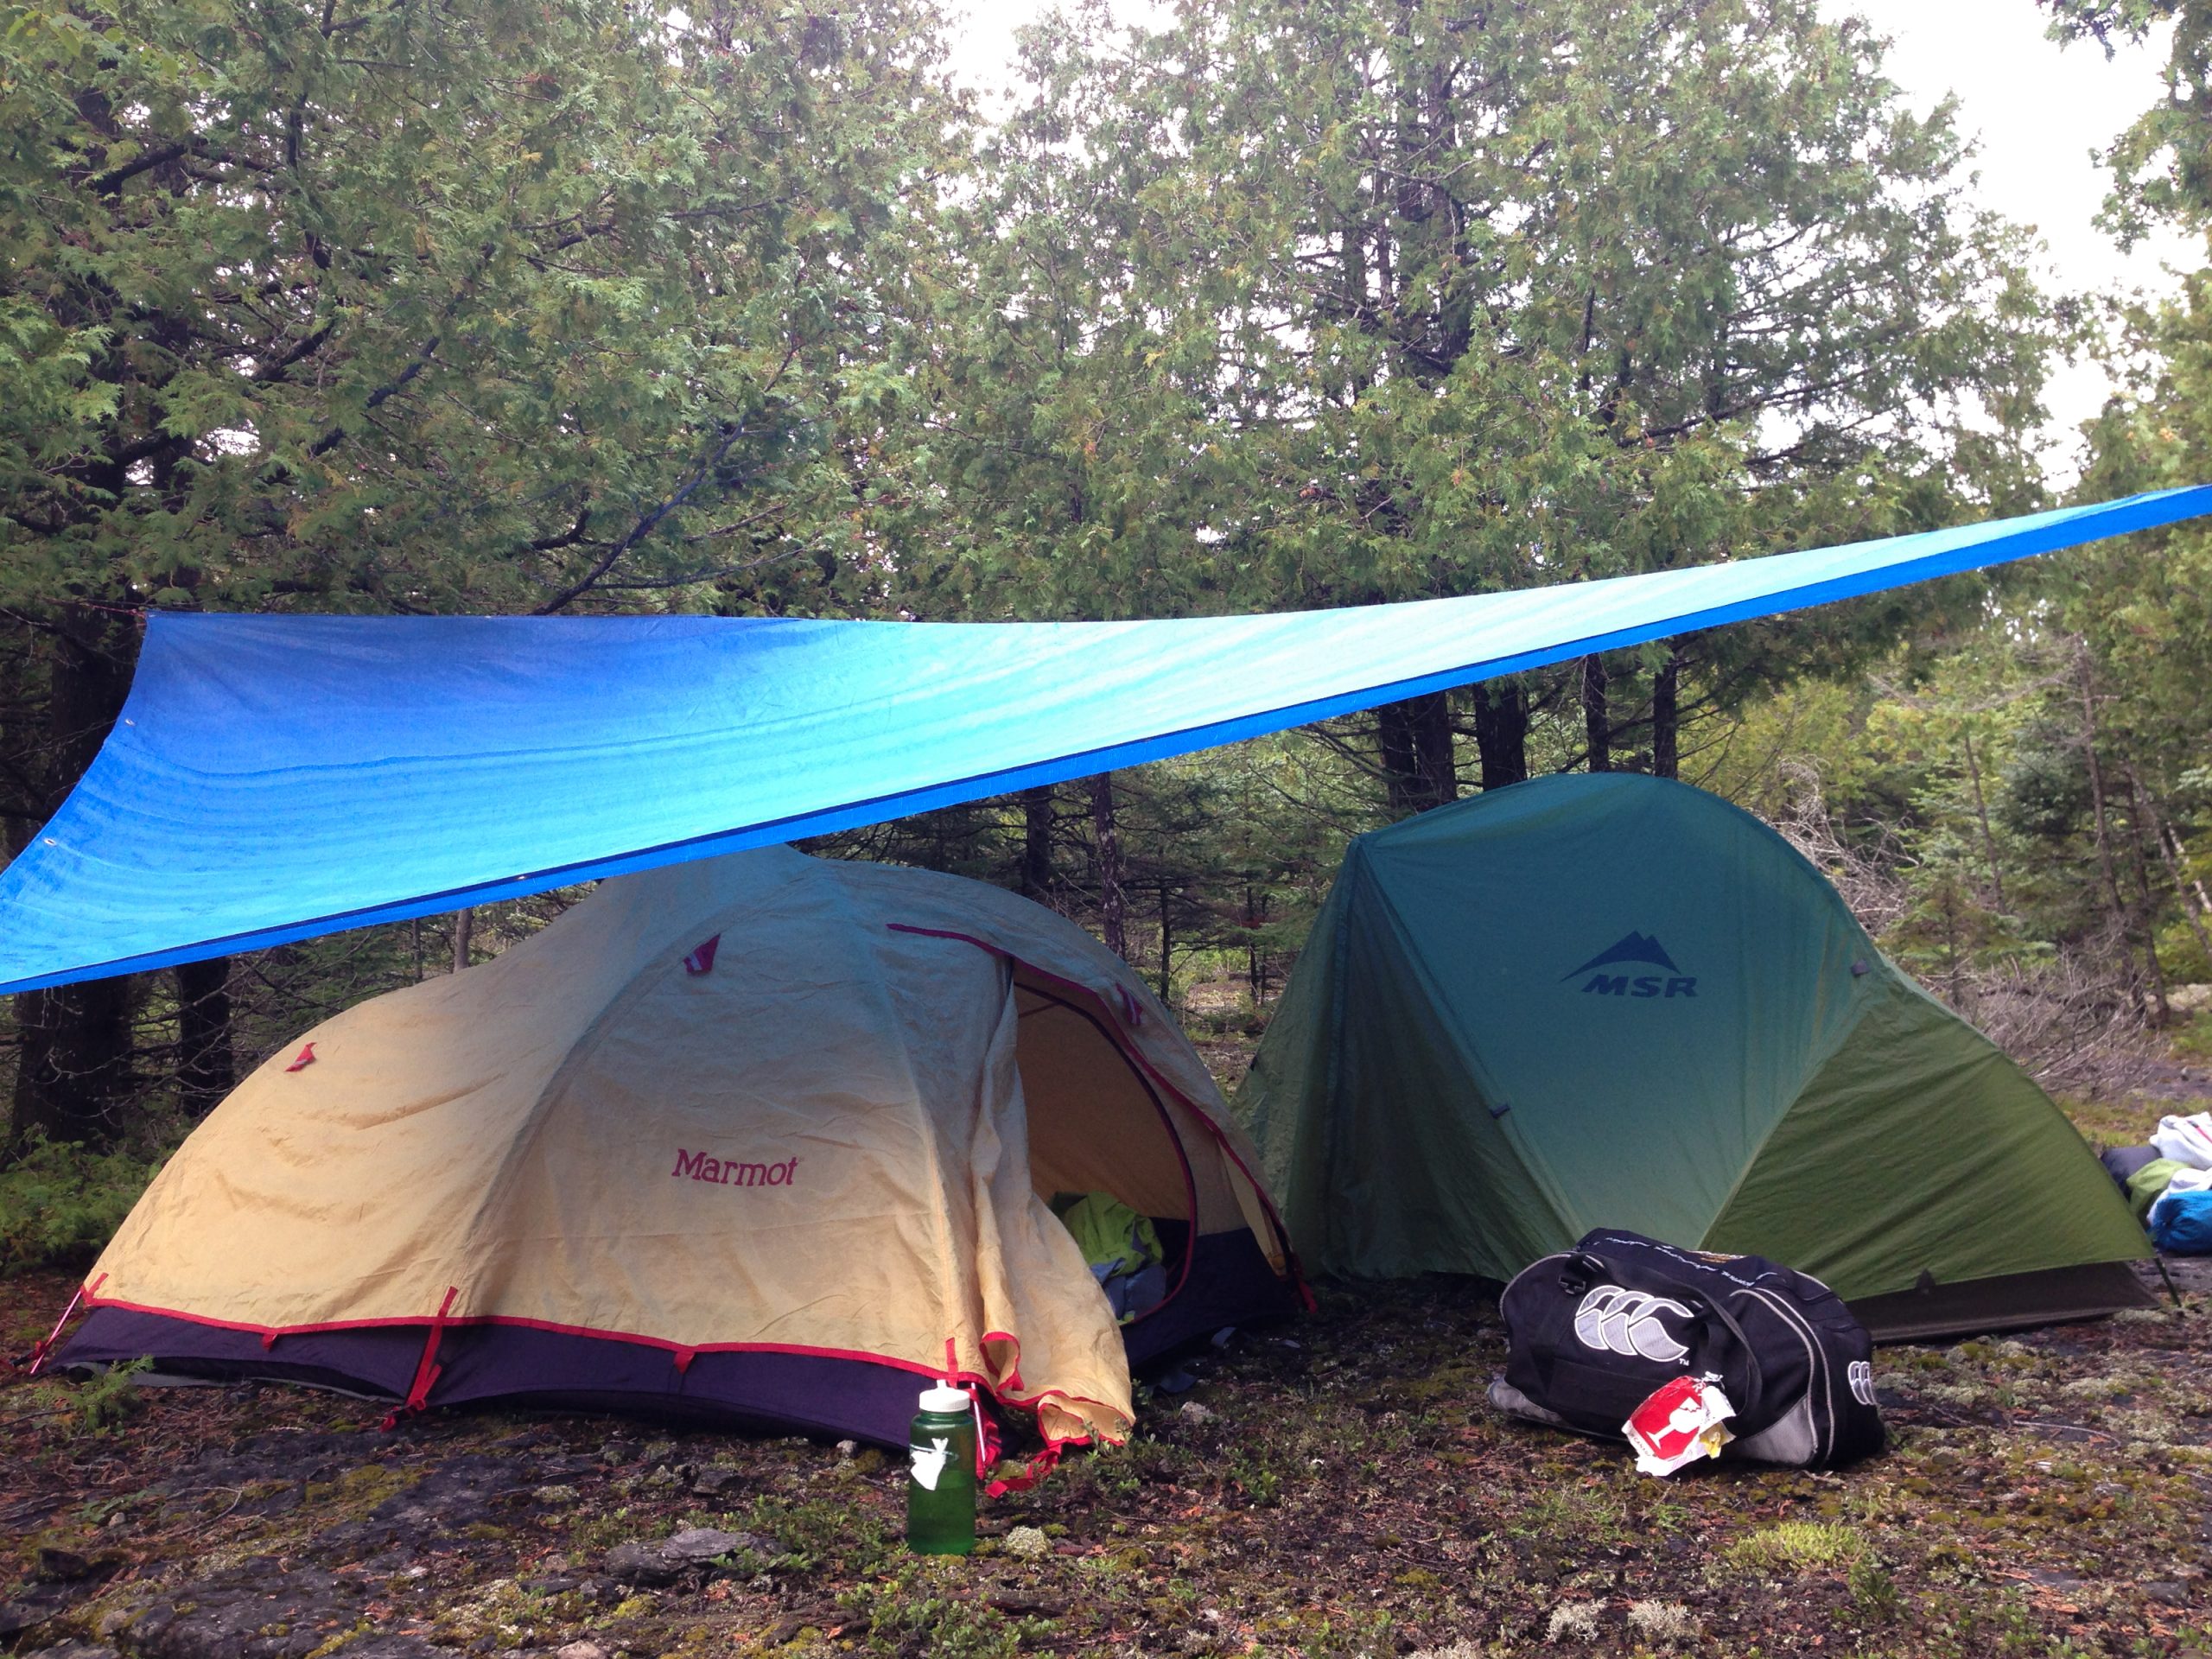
x=336 y=436
x=648 y=523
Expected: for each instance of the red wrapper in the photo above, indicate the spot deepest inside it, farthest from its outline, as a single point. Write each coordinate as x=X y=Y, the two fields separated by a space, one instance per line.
x=1680 y=1422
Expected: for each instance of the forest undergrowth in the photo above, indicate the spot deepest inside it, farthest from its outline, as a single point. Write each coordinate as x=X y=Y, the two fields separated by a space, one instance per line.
x=1335 y=1486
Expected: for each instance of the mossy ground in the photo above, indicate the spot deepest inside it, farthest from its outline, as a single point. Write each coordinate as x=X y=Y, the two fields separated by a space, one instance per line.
x=1344 y=1488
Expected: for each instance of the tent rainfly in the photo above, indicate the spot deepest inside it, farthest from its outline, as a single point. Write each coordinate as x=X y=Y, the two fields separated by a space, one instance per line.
x=761 y=1137
x=1616 y=1001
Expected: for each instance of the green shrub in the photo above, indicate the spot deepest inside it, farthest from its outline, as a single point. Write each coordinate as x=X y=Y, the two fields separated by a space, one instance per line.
x=109 y=1399
x=2193 y=1042
x=60 y=1203
x=1872 y=1591
x=1801 y=1546
x=904 y=1617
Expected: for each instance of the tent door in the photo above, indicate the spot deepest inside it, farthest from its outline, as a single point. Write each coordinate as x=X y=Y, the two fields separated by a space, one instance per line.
x=1096 y=1124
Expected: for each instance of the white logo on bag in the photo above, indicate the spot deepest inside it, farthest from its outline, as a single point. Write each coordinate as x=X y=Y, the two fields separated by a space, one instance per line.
x=1627 y=1322
x=1861 y=1374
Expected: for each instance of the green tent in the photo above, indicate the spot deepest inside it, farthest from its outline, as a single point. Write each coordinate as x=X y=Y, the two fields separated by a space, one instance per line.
x=1617 y=1000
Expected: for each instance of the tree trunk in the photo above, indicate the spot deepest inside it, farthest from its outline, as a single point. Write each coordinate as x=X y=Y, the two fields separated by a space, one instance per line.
x=1597 y=719
x=464 y=931
x=2101 y=818
x=1256 y=957
x=2150 y=913
x=73 y=1063
x=1113 y=905
x=1501 y=733
x=1037 y=842
x=1666 y=718
x=1950 y=914
x=206 y=1067
x=1166 y=946
x=1418 y=770
x=2202 y=906
x=1982 y=811
x=2169 y=853
x=72 y=1074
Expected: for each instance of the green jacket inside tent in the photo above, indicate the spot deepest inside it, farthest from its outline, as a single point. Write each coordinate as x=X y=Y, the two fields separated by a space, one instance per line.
x=1613 y=1000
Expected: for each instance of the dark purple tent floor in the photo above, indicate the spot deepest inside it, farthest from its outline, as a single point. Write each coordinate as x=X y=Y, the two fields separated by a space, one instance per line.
x=1229 y=1283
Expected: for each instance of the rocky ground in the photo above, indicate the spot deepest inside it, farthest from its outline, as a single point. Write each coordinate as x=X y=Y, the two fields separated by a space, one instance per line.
x=1335 y=1487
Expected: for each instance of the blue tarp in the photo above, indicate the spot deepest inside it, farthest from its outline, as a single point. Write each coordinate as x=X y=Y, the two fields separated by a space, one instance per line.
x=275 y=776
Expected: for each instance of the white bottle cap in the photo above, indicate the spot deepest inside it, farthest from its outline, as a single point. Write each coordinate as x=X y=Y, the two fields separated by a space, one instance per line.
x=944 y=1398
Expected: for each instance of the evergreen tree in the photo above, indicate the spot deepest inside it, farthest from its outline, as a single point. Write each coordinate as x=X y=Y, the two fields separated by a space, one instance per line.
x=428 y=305
x=1299 y=305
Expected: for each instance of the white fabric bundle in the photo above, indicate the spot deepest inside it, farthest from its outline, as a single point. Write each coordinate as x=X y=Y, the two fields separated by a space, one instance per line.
x=2186 y=1140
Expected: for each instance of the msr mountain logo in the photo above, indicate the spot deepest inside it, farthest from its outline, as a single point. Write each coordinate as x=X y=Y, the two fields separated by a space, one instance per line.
x=1635 y=948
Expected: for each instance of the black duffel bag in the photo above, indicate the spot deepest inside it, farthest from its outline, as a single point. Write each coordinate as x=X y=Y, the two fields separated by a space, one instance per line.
x=1592 y=1331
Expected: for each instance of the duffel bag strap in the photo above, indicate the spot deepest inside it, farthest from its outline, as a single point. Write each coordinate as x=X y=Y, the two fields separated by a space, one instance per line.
x=1579 y=1270
x=1745 y=1409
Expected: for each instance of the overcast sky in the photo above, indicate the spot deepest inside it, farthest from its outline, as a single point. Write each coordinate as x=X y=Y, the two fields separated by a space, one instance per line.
x=2037 y=110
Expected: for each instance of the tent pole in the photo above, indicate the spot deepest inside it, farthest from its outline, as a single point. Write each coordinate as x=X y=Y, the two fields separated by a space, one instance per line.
x=2172 y=1289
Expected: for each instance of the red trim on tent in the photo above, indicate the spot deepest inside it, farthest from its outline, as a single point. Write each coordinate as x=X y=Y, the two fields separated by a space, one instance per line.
x=1296 y=1274
x=427 y=1373
x=1014 y=1372
x=426 y=1370
x=1174 y=1140
x=1039 y=1466
x=1003 y=1395
x=265 y=1331
x=1144 y=1076
x=40 y=1349
x=987 y=1428
x=1034 y=1471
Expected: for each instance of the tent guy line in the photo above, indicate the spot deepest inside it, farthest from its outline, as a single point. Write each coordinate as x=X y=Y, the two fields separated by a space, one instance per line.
x=273 y=778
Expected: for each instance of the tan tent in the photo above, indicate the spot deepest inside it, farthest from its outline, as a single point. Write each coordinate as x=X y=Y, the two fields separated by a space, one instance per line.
x=762 y=1136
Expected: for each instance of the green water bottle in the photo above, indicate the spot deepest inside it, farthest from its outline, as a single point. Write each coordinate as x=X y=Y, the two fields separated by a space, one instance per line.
x=941 y=1475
